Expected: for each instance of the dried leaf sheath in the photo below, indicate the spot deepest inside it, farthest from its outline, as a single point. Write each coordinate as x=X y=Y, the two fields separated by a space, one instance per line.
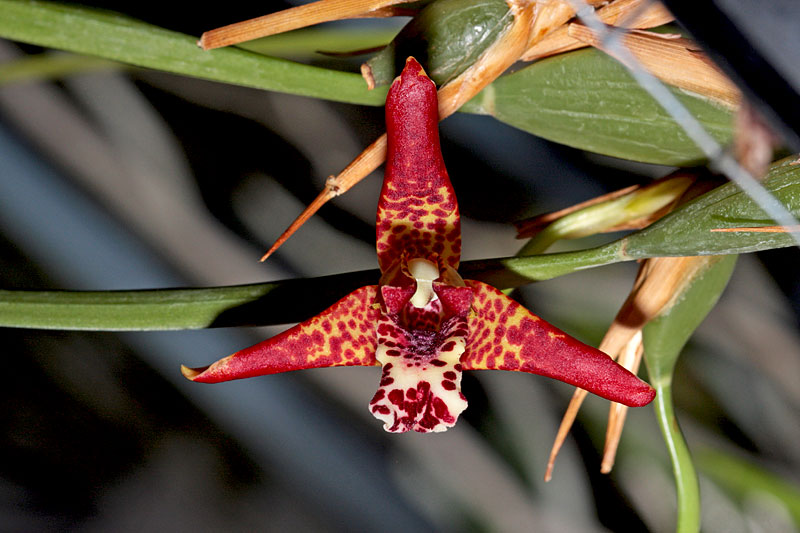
x=621 y=13
x=291 y=19
x=676 y=61
x=342 y=335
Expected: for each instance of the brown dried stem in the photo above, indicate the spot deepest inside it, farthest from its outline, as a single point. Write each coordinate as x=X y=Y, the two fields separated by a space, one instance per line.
x=630 y=358
x=360 y=167
x=646 y=14
x=294 y=18
x=761 y=229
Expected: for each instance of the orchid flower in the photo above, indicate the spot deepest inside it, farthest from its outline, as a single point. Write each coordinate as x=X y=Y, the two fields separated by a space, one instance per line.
x=423 y=323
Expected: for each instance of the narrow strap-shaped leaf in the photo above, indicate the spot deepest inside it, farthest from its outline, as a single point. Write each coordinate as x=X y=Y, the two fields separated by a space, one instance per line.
x=121 y=38
x=343 y=335
x=503 y=335
x=692 y=226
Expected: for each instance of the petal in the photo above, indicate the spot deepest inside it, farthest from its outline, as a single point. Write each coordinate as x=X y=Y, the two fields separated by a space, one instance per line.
x=396 y=298
x=342 y=335
x=417 y=211
x=456 y=300
x=420 y=387
x=503 y=335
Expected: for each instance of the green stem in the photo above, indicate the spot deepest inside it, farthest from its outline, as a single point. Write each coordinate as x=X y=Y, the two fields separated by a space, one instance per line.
x=513 y=272
x=686 y=483
x=171 y=309
x=278 y=302
x=539 y=243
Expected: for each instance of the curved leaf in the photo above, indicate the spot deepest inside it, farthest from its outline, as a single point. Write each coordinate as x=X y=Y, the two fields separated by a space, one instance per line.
x=664 y=338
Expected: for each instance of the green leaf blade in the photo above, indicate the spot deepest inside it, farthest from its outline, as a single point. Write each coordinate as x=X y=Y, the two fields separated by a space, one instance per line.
x=119 y=38
x=278 y=302
x=665 y=337
x=688 y=229
x=587 y=100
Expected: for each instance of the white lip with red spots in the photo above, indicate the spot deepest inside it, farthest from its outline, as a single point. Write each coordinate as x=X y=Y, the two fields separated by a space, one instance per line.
x=420 y=387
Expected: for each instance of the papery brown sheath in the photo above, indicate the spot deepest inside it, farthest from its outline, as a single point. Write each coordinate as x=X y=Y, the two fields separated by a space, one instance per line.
x=422 y=322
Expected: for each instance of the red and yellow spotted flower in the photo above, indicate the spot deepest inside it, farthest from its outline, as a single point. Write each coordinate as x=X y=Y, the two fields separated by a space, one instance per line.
x=423 y=323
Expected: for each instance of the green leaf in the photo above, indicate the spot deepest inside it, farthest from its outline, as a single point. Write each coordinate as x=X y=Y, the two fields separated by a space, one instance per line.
x=112 y=36
x=581 y=99
x=687 y=230
x=684 y=232
x=664 y=338
x=587 y=100
x=170 y=309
